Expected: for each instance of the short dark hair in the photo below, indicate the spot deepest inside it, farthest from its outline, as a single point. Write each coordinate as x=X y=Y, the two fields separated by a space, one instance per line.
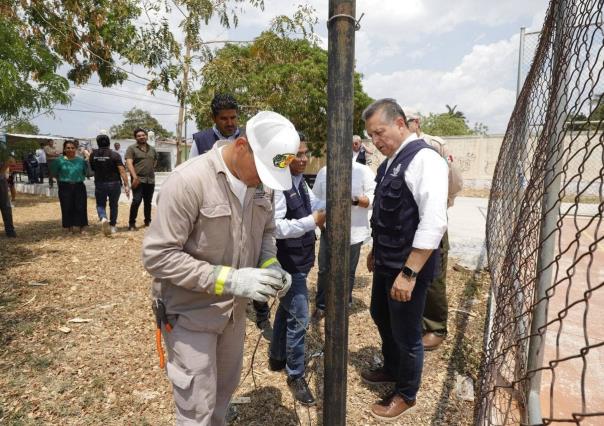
x=389 y=108
x=223 y=101
x=103 y=141
x=139 y=129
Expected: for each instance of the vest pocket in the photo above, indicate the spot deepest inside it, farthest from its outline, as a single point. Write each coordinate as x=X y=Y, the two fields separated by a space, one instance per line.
x=391 y=198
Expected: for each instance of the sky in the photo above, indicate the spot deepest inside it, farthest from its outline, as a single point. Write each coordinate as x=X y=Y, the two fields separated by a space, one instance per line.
x=424 y=53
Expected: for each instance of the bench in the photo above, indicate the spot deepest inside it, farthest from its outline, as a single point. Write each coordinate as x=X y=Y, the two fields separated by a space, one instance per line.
x=17 y=169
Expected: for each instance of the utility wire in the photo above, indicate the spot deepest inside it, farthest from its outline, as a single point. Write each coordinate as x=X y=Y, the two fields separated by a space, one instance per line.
x=106 y=112
x=127 y=97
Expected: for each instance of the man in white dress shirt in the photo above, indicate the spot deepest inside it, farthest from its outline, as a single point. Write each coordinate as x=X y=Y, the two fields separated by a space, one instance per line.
x=296 y=217
x=408 y=222
x=362 y=187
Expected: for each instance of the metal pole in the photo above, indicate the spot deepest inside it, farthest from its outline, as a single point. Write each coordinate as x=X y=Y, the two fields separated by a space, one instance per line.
x=520 y=61
x=550 y=211
x=340 y=105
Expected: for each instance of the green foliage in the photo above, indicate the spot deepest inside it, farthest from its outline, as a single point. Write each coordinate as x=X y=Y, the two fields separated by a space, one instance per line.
x=22 y=126
x=445 y=125
x=156 y=47
x=28 y=79
x=275 y=73
x=138 y=118
x=37 y=37
x=451 y=123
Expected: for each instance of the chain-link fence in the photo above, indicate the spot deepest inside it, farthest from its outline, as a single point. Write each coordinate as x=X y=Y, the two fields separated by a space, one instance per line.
x=544 y=354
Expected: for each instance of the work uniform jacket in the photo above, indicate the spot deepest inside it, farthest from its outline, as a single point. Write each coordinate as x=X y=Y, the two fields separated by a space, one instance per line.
x=199 y=224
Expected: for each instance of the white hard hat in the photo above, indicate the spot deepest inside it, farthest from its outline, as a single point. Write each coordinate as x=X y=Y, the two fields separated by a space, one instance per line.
x=274 y=142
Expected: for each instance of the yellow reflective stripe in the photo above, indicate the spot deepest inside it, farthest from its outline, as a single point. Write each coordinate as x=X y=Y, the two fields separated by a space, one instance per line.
x=268 y=262
x=220 y=280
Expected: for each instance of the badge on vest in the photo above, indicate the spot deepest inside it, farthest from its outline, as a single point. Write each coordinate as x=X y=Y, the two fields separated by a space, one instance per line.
x=396 y=170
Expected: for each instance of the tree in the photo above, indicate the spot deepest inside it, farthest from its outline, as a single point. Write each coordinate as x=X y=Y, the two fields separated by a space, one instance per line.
x=138 y=118
x=28 y=79
x=453 y=113
x=276 y=73
x=22 y=126
x=445 y=124
x=36 y=37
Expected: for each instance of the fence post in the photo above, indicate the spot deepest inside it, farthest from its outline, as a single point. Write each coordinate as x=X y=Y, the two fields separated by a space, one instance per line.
x=550 y=207
x=340 y=106
x=520 y=62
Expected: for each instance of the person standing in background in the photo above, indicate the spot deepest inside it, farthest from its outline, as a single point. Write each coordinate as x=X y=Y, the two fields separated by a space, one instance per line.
x=41 y=157
x=141 y=160
x=70 y=171
x=225 y=112
x=117 y=147
x=5 y=203
x=436 y=311
x=362 y=188
x=108 y=169
x=51 y=155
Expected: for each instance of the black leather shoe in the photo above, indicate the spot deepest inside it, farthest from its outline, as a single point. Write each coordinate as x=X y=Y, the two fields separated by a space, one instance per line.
x=132 y=228
x=276 y=364
x=300 y=390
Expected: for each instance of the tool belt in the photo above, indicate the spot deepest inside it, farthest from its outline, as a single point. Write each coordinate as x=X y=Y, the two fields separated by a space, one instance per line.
x=159 y=310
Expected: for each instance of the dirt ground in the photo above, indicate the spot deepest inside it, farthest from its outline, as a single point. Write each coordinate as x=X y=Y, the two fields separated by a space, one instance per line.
x=77 y=343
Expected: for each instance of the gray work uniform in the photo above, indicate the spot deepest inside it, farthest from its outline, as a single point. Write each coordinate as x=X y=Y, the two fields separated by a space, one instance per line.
x=201 y=223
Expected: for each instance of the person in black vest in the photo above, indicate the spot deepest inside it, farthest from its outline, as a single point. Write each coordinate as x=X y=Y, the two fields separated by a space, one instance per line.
x=360 y=151
x=296 y=220
x=408 y=222
x=108 y=169
x=225 y=112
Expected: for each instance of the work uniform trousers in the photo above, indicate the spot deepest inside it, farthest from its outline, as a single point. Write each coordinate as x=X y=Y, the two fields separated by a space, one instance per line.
x=436 y=311
x=5 y=208
x=400 y=327
x=204 y=369
x=355 y=251
x=289 y=329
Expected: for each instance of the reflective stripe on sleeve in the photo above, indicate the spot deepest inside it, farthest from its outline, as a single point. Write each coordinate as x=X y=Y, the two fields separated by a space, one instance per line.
x=268 y=262
x=221 y=279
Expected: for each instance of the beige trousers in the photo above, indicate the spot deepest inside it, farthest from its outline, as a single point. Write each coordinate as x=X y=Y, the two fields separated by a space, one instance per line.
x=205 y=369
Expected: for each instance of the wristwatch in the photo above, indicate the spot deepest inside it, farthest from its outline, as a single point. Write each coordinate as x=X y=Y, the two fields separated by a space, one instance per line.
x=408 y=272
x=355 y=201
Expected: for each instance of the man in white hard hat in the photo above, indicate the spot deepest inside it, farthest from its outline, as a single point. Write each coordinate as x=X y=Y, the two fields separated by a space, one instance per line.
x=210 y=249
x=436 y=310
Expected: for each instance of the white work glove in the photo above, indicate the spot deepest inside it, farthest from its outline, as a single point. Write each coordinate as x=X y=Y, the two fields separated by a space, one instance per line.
x=253 y=283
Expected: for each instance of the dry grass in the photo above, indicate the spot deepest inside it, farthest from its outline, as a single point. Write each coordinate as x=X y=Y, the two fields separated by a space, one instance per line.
x=105 y=371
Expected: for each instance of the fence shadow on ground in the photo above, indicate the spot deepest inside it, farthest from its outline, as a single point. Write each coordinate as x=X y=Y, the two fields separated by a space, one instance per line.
x=458 y=361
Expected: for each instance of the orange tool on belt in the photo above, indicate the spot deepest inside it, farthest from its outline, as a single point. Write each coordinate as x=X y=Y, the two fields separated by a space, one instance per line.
x=159 y=309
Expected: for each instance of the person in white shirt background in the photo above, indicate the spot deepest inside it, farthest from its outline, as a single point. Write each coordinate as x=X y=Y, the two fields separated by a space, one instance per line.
x=362 y=187
x=297 y=215
x=41 y=157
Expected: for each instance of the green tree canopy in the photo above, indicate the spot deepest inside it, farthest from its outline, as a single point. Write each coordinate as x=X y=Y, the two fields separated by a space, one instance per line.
x=445 y=124
x=138 y=118
x=451 y=123
x=22 y=126
x=36 y=37
x=276 y=73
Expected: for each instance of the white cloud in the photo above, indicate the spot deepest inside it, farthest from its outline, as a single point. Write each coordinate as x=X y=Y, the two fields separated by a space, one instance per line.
x=481 y=85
